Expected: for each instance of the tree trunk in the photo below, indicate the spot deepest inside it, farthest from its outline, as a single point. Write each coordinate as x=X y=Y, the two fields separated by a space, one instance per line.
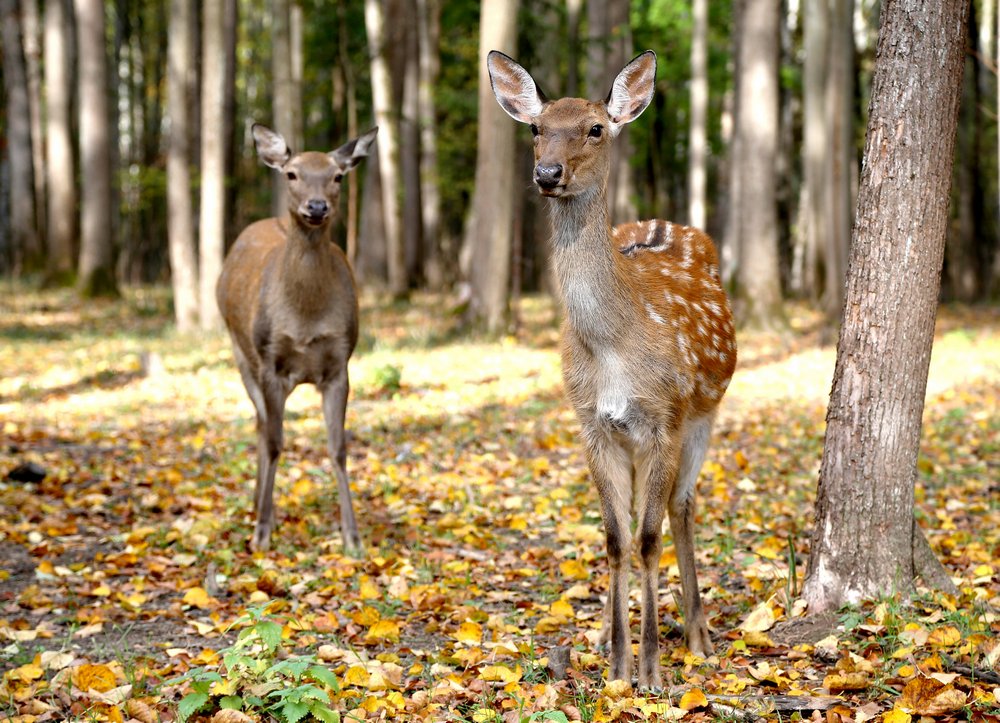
x=490 y=229
x=31 y=28
x=282 y=100
x=698 y=142
x=840 y=102
x=865 y=543
x=429 y=30
x=732 y=238
x=24 y=236
x=351 y=102
x=388 y=146
x=59 y=168
x=759 y=292
x=409 y=132
x=96 y=273
x=213 y=160
x=180 y=215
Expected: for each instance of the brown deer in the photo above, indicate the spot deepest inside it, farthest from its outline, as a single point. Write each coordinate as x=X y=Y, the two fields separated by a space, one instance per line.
x=288 y=298
x=648 y=346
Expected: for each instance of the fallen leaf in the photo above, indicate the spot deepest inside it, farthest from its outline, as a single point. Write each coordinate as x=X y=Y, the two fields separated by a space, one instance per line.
x=694 y=698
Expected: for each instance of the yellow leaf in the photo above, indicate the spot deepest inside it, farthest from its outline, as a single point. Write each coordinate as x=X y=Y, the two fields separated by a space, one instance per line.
x=25 y=673
x=896 y=716
x=548 y=624
x=694 y=698
x=926 y=696
x=574 y=570
x=469 y=632
x=223 y=687
x=755 y=639
x=945 y=636
x=356 y=675
x=197 y=597
x=369 y=590
x=500 y=674
x=383 y=630
x=562 y=608
x=661 y=711
x=617 y=689
x=846 y=681
x=101 y=591
x=94 y=677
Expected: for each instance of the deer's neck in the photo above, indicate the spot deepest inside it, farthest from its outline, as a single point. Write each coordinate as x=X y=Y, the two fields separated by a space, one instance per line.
x=594 y=293
x=307 y=267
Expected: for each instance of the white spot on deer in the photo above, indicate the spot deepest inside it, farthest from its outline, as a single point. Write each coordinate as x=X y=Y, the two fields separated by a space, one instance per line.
x=613 y=386
x=653 y=315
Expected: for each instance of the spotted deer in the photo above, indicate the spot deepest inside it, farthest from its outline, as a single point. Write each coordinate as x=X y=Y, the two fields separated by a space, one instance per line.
x=648 y=347
x=288 y=298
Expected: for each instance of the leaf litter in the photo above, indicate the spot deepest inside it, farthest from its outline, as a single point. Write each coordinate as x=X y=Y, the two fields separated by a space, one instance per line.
x=125 y=567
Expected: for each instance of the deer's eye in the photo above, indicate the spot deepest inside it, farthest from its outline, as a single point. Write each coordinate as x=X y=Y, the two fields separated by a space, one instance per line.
x=338 y=178
x=596 y=131
x=291 y=176
x=534 y=129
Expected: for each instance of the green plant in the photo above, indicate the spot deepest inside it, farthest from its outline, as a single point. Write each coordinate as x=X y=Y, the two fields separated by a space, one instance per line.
x=254 y=678
x=388 y=378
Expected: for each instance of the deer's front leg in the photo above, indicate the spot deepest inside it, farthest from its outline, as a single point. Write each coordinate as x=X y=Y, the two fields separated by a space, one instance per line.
x=611 y=470
x=334 y=411
x=270 y=440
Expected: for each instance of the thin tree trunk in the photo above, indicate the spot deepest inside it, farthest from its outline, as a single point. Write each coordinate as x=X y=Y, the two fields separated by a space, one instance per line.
x=492 y=216
x=732 y=239
x=388 y=146
x=865 y=543
x=573 y=11
x=282 y=100
x=31 y=28
x=410 y=143
x=296 y=66
x=24 y=236
x=59 y=168
x=213 y=160
x=698 y=142
x=840 y=101
x=428 y=27
x=759 y=292
x=816 y=226
x=352 y=180
x=96 y=273
x=180 y=214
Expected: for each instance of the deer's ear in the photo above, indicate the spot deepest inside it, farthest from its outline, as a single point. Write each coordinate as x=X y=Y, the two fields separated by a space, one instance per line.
x=514 y=87
x=632 y=90
x=271 y=147
x=350 y=154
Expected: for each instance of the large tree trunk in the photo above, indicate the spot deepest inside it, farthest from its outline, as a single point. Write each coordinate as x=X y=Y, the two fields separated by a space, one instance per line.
x=59 y=169
x=24 y=236
x=97 y=270
x=213 y=162
x=840 y=103
x=491 y=226
x=180 y=218
x=759 y=291
x=698 y=141
x=388 y=146
x=865 y=543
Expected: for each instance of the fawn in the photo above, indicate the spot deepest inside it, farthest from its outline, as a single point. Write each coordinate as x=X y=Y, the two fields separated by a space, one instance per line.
x=648 y=346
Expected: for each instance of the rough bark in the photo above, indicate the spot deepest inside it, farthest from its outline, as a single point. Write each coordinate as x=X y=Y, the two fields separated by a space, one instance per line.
x=96 y=271
x=180 y=210
x=759 y=291
x=698 y=142
x=211 y=222
x=409 y=132
x=31 y=33
x=865 y=543
x=490 y=231
x=388 y=146
x=59 y=167
x=428 y=28
x=24 y=235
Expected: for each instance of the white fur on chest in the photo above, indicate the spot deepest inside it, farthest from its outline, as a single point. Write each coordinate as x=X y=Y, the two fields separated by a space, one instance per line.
x=613 y=387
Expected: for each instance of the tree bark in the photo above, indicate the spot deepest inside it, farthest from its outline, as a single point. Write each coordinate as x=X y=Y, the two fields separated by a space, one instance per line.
x=759 y=290
x=59 y=167
x=180 y=213
x=31 y=27
x=211 y=224
x=24 y=235
x=96 y=272
x=865 y=543
x=429 y=31
x=282 y=100
x=388 y=146
x=698 y=143
x=489 y=233
x=410 y=137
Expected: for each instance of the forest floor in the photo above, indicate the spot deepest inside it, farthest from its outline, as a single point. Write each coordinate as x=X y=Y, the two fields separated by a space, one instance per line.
x=127 y=591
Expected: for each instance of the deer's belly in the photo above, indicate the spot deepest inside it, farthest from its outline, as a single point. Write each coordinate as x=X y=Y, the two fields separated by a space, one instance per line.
x=314 y=360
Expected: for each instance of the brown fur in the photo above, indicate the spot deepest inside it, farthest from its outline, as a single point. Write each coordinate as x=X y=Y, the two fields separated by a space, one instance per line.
x=648 y=347
x=288 y=298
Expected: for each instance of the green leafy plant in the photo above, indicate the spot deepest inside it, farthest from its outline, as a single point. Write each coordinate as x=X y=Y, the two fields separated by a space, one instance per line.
x=257 y=675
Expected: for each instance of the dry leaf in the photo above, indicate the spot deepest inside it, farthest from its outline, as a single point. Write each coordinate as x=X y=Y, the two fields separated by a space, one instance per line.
x=926 y=696
x=694 y=698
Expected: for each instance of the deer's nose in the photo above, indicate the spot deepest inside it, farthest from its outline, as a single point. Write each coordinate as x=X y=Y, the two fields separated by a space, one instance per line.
x=317 y=207
x=548 y=176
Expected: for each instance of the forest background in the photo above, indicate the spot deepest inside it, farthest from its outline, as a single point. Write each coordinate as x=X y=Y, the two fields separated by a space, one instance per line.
x=124 y=510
